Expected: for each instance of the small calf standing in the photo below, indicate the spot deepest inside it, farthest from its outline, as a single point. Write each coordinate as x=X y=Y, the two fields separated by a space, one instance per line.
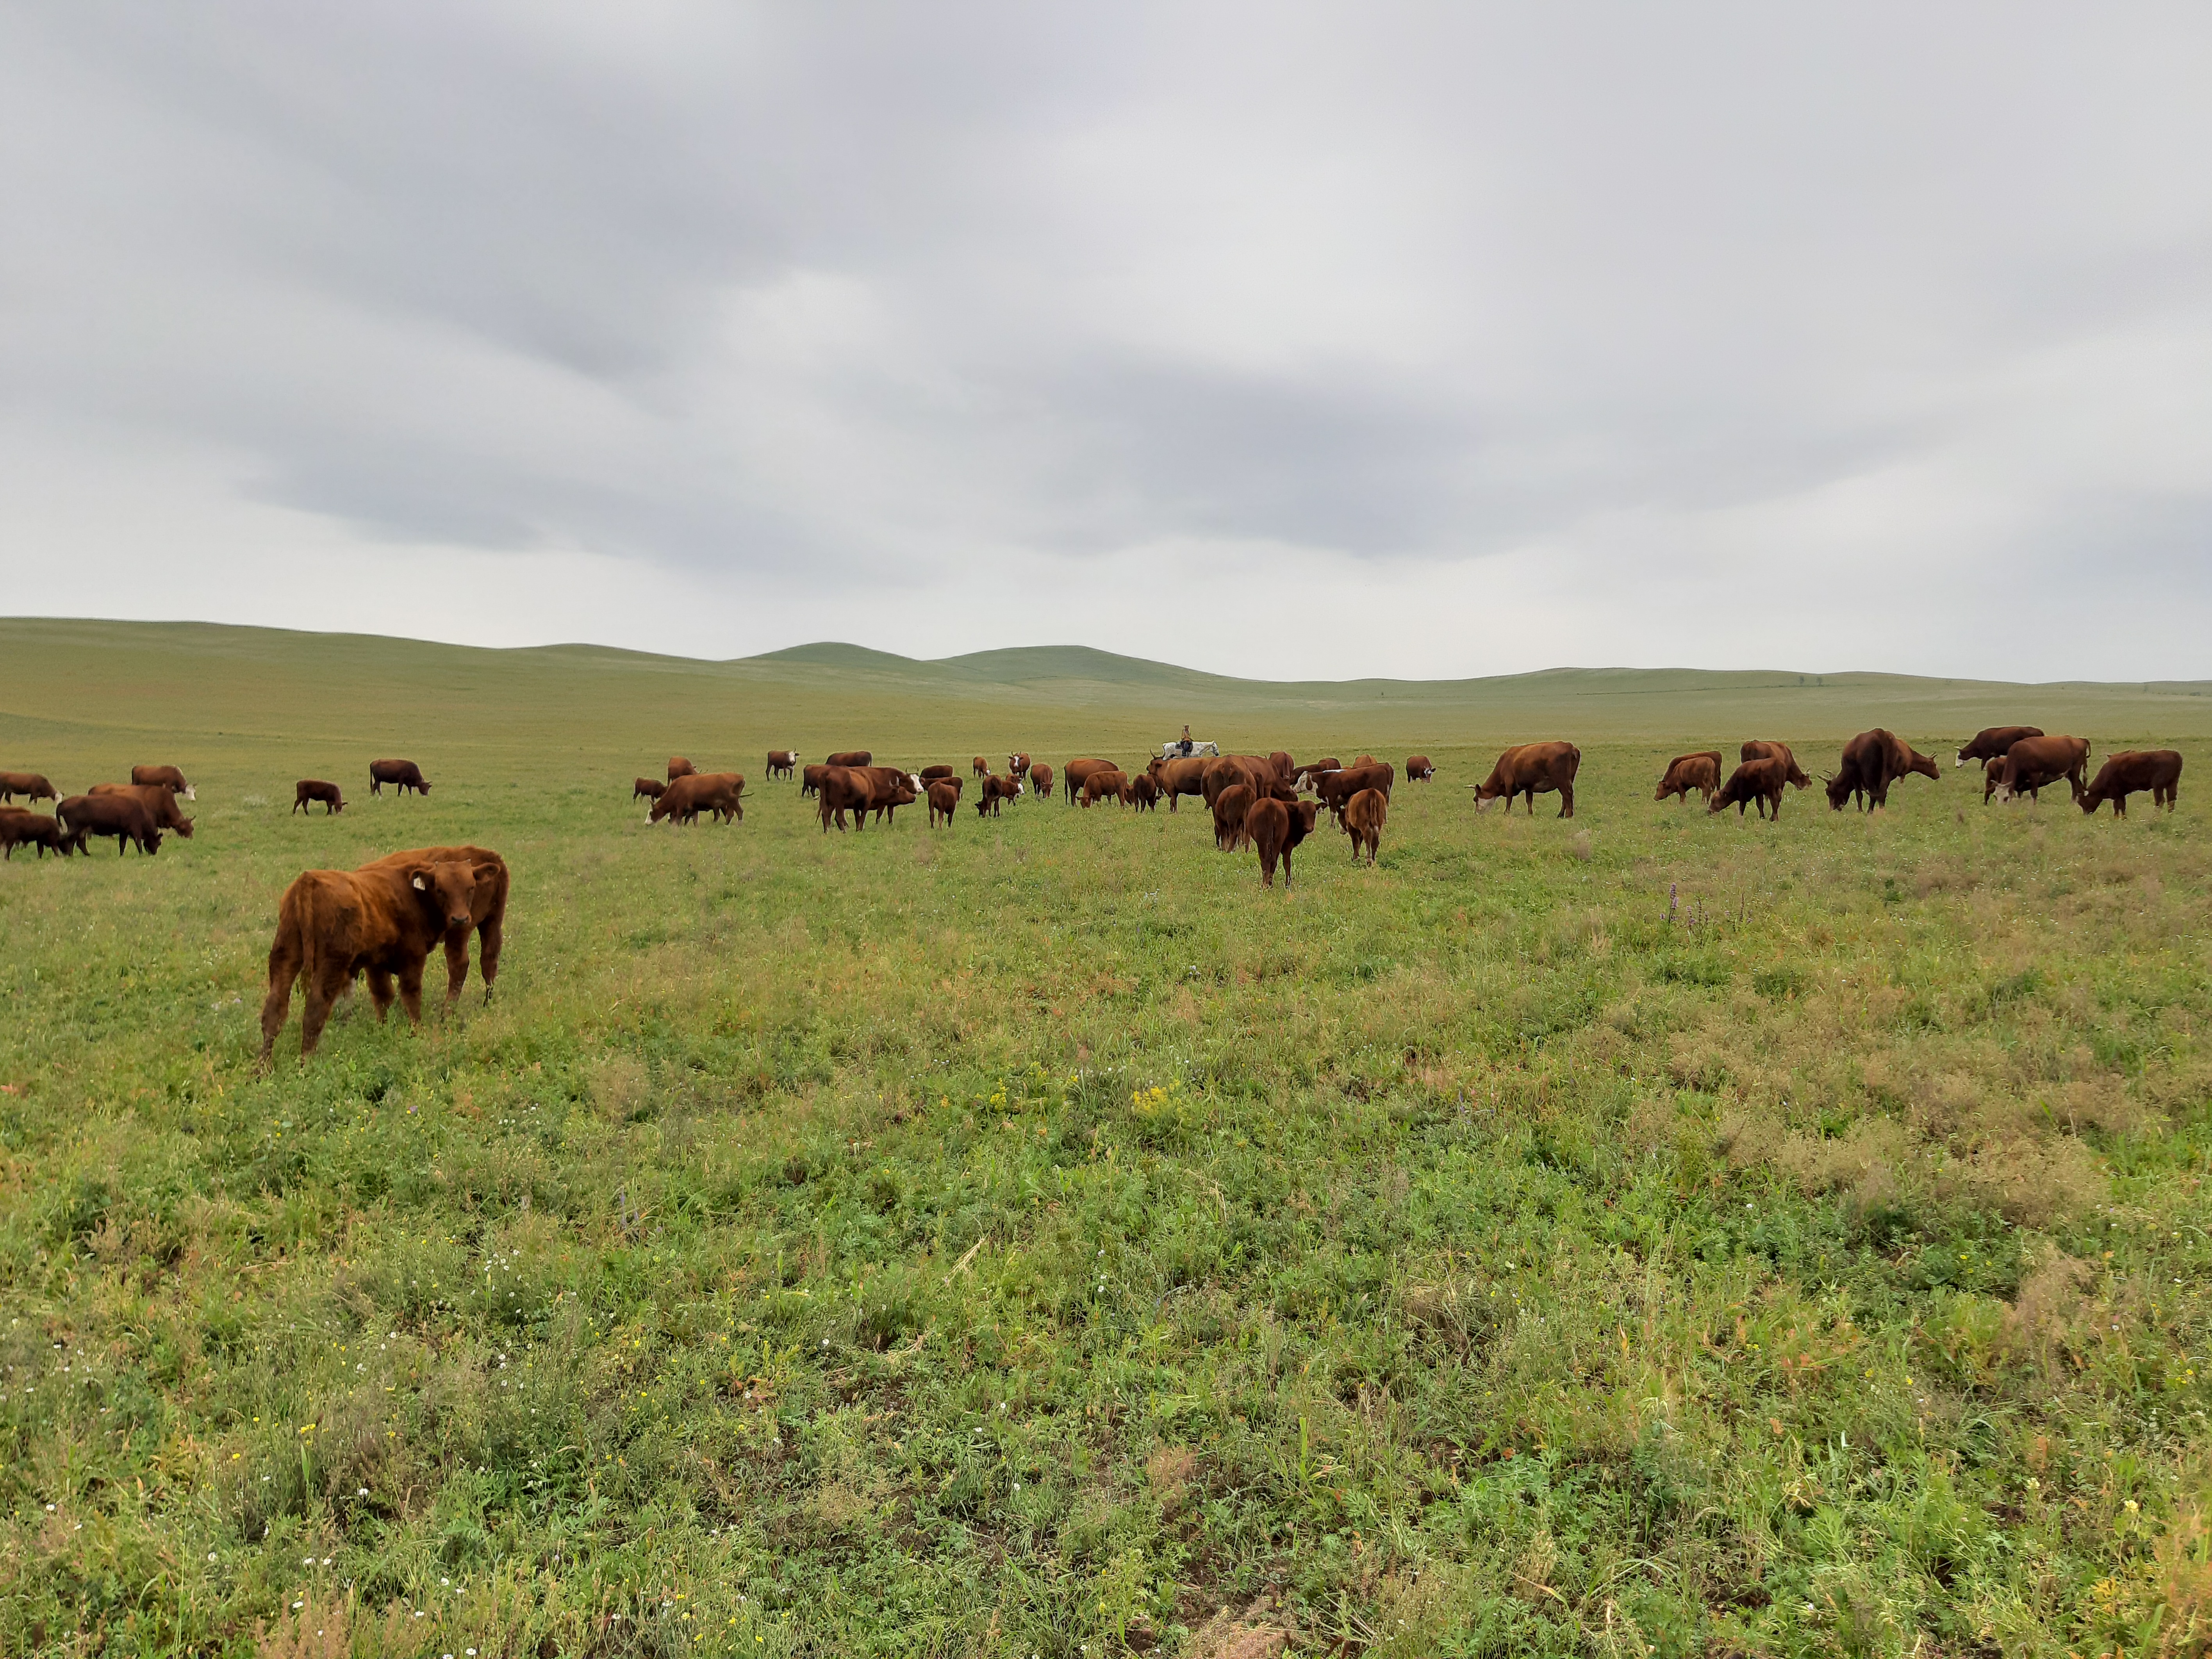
x=1364 y=815
x=1700 y=772
x=944 y=797
x=1275 y=827
x=2158 y=770
x=21 y=829
x=1759 y=780
x=647 y=789
x=1420 y=769
x=1230 y=808
x=1142 y=793
x=401 y=774
x=982 y=766
x=316 y=789
x=1101 y=785
x=1040 y=781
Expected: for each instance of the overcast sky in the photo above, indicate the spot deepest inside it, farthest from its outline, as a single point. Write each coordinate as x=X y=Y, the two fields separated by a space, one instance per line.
x=1280 y=340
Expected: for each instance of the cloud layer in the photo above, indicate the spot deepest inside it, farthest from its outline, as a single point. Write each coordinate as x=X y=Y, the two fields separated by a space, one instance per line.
x=1277 y=340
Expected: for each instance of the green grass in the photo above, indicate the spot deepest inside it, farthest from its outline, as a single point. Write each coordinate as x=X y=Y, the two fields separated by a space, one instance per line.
x=1646 y=1233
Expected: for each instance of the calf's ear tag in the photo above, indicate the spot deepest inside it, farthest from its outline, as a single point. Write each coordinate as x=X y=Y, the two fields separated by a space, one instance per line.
x=421 y=885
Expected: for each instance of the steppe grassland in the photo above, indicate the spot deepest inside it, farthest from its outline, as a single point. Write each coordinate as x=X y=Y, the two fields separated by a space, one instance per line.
x=1644 y=1231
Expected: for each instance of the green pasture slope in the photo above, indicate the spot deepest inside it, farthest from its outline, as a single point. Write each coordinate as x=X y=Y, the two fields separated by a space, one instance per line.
x=1649 y=1233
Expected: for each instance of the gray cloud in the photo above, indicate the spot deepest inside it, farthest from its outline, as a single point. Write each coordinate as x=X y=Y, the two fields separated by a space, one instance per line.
x=963 y=324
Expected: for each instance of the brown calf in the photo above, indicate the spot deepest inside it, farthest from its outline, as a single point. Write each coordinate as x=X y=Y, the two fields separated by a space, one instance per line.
x=1104 y=786
x=1420 y=769
x=404 y=774
x=1041 y=781
x=1767 y=749
x=1991 y=742
x=944 y=797
x=310 y=790
x=2158 y=770
x=21 y=828
x=1760 y=780
x=1363 y=819
x=646 y=789
x=1275 y=827
x=1230 y=808
x=1700 y=772
x=783 y=762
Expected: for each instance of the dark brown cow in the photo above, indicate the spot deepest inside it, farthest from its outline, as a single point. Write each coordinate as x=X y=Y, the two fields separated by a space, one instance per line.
x=2132 y=771
x=1072 y=775
x=851 y=758
x=310 y=790
x=2033 y=762
x=1275 y=827
x=844 y=789
x=682 y=801
x=1532 y=769
x=1420 y=769
x=159 y=800
x=1313 y=769
x=1334 y=788
x=21 y=828
x=646 y=789
x=124 y=817
x=1760 y=780
x=1700 y=772
x=783 y=762
x=167 y=776
x=382 y=921
x=809 y=781
x=1285 y=767
x=1363 y=818
x=997 y=791
x=1871 y=763
x=1179 y=776
x=31 y=786
x=892 y=789
x=1230 y=808
x=944 y=798
x=931 y=774
x=680 y=768
x=1041 y=781
x=982 y=766
x=404 y=774
x=1105 y=785
x=1142 y=793
x=1767 y=749
x=1991 y=743
x=1257 y=771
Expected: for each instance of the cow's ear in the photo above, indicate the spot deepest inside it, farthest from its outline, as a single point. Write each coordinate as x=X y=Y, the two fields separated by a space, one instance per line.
x=418 y=878
x=487 y=871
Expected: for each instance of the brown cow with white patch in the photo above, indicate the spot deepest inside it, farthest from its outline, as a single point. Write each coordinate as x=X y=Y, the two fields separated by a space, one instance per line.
x=2130 y=773
x=1018 y=766
x=167 y=776
x=160 y=801
x=1275 y=827
x=381 y=919
x=307 y=791
x=31 y=786
x=1700 y=772
x=1992 y=742
x=783 y=762
x=982 y=766
x=1767 y=749
x=1760 y=780
x=2033 y=762
x=1531 y=769
x=944 y=798
x=1230 y=808
x=1311 y=771
x=1420 y=769
x=1362 y=819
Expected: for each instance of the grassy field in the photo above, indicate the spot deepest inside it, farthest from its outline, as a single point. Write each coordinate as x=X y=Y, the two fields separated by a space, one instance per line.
x=1648 y=1233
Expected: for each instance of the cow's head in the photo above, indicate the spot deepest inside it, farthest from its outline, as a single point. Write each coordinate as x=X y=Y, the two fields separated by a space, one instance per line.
x=449 y=890
x=1960 y=759
x=1923 y=764
x=1484 y=794
x=1839 y=790
x=183 y=826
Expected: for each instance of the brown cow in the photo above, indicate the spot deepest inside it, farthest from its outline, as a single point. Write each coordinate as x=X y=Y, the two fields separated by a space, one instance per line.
x=680 y=768
x=1100 y=785
x=1072 y=775
x=2158 y=770
x=1993 y=774
x=124 y=817
x=982 y=766
x=1142 y=793
x=1230 y=808
x=997 y=791
x=1313 y=769
x=1532 y=769
x=892 y=791
x=307 y=791
x=1177 y=777
x=1700 y=772
x=1420 y=769
x=1257 y=771
x=783 y=762
x=930 y=774
x=1285 y=767
x=851 y=758
x=31 y=786
x=844 y=789
x=1275 y=827
x=168 y=776
x=1041 y=781
x=1991 y=742
x=809 y=781
x=1761 y=781
x=2033 y=762
x=404 y=774
x=1767 y=749
x=1871 y=763
x=161 y=803
x=382 y=921
x=646 y=789
x=1363 y=819
x=944 y=797
x=684 y=800
x=1334 y=788
x=1018 y=766
x=21 y=828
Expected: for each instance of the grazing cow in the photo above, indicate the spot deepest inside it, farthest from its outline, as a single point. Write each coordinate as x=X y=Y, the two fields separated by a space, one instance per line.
x=929 y=775
x=809 y=781
x=1041 y=781
x=159 y=800
x=783 y=762
x=844 y=789
x=2033 y=762
x=1531 y=769
x=682 y=801
x=1420 y=769
x=1363 y=819
x=124 y=817
x=1312 y=771
x=2158 y=770
x=1334 y=788
x=646 y=789
x=998 y=789
x=1177 y=777
x=1275 y=827
x=1072 y=775
x=1103 y=786
x=1760 y=780
x=1018 y=766
x=982 y=766
x=1230 y=808
x=310 y=790
x=1992 y=742
x=1871 y=763
x=944 y=797
x=1142 y=793
x=1700 y=772
x=382 y=921
x=168 y=776
x=31 y=786
x=404 y=774
x=680 y=768
x=1767 y=749
x=1993 y=774
x=851 y=758
x=21 y=828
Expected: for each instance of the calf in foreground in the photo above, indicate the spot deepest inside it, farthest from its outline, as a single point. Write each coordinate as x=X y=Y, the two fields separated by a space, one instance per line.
x=382 y=921
x=1275 y=827
x=308 y=790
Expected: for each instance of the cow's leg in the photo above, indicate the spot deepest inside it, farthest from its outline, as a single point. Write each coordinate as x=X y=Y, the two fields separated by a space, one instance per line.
x=322 y=991
x=379 y=990
x=411 y=989
x=457 y=965
x=283 y=970
x=1566 y=801
x=2120 y=805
